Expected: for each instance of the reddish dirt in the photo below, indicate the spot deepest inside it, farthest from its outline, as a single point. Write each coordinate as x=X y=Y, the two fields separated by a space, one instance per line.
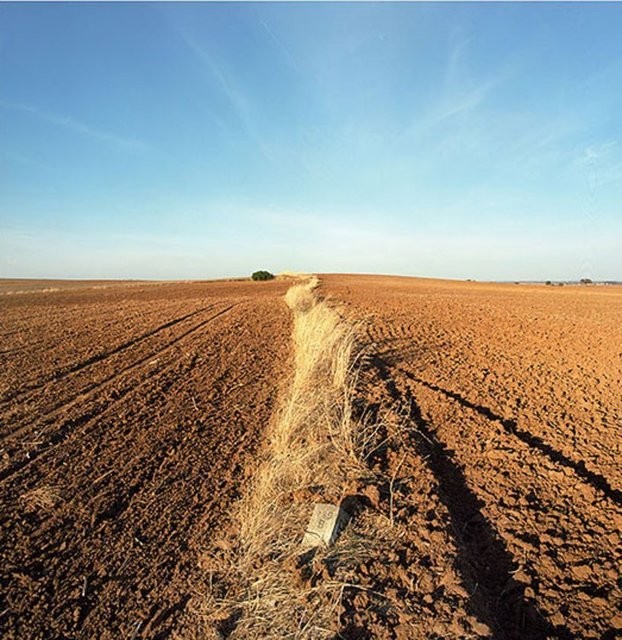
x=507 y=492
x=130 y=415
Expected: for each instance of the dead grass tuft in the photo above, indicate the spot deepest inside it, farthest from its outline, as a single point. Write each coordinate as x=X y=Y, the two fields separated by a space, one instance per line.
x=312 y=456
x=300 y=298
x=292 y=275
x=42 y=498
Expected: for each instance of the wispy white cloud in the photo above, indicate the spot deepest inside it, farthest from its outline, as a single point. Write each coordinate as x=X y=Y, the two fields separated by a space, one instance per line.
x=74 y=125
x=11 y=156
x=460 y=103
x=279 y=43
x=235 y=95
x=601 y=163
x=454 y=68
x=534 y=141
x=328 y=241
x=599 y=150
x=611 y=175
x=460 y=95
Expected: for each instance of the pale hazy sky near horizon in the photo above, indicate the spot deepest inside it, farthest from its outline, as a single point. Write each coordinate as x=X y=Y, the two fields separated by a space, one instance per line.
x=203 y=140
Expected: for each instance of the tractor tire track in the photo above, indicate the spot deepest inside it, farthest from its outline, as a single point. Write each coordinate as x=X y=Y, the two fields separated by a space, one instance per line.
x=536 y=444
x=92 y=387
x=97 y=358
x=508 y=397
x=143 y=489
x=93 y=414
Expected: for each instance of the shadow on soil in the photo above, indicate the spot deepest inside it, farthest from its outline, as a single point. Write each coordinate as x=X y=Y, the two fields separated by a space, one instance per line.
x=484 y=562
x=594 y=479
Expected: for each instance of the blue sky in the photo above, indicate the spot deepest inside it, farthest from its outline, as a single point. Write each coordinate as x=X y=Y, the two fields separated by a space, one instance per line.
x=201 y=140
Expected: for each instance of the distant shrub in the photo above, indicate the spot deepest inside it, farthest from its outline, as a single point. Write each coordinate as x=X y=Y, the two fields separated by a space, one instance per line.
x=262 y=275
x=585 y=281
x=548 y=282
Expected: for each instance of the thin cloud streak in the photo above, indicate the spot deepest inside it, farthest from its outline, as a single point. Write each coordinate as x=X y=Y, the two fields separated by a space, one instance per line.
x=234 y=95
x=74 y=125
x=26 y=161
x=462 y=103
x=284 y=50
x=460 y=96
x=329 y=241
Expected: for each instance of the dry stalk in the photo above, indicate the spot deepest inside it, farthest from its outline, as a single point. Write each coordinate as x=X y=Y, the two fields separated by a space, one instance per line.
x=392 y=484
x=311 y=455
x=43 y=498
x=267 y=587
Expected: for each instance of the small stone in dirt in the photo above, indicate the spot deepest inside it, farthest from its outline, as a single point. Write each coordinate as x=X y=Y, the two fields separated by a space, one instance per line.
x=480 y=628
x=582 y=572
x=373 y=494
x=557 y=619
x=616 y=621
x=457 y=629
x=522 y=576
x=426 y=583
x=439 y=628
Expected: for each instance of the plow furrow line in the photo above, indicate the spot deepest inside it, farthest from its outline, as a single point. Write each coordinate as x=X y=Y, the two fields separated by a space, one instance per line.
x=87 y=392
x=94 y=415
x=536 y=444
x=99 y=357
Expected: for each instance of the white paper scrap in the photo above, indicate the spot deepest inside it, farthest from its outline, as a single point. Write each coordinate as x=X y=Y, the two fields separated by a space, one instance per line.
x=324 y=525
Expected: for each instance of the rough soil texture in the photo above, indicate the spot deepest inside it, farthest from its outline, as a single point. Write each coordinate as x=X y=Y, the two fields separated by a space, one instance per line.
x=506 y=486
x=130 y=416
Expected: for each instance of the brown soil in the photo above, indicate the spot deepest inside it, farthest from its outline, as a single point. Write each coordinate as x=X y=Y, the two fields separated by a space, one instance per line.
x=130 y=415
x=507 y=486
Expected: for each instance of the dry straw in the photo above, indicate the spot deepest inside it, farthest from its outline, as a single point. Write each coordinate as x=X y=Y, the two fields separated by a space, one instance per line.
x=311 y=457
x=43 y=498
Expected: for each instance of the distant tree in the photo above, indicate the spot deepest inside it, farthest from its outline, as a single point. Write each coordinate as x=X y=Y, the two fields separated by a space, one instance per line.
x=585 y=281
x=548 y=282
x=262 y=275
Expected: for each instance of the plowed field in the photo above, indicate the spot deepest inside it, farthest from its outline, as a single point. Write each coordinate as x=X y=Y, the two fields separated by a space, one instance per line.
x=508 y=491
x=129 y=415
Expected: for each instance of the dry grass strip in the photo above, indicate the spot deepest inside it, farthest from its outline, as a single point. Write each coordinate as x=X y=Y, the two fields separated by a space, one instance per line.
x=272 y=588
